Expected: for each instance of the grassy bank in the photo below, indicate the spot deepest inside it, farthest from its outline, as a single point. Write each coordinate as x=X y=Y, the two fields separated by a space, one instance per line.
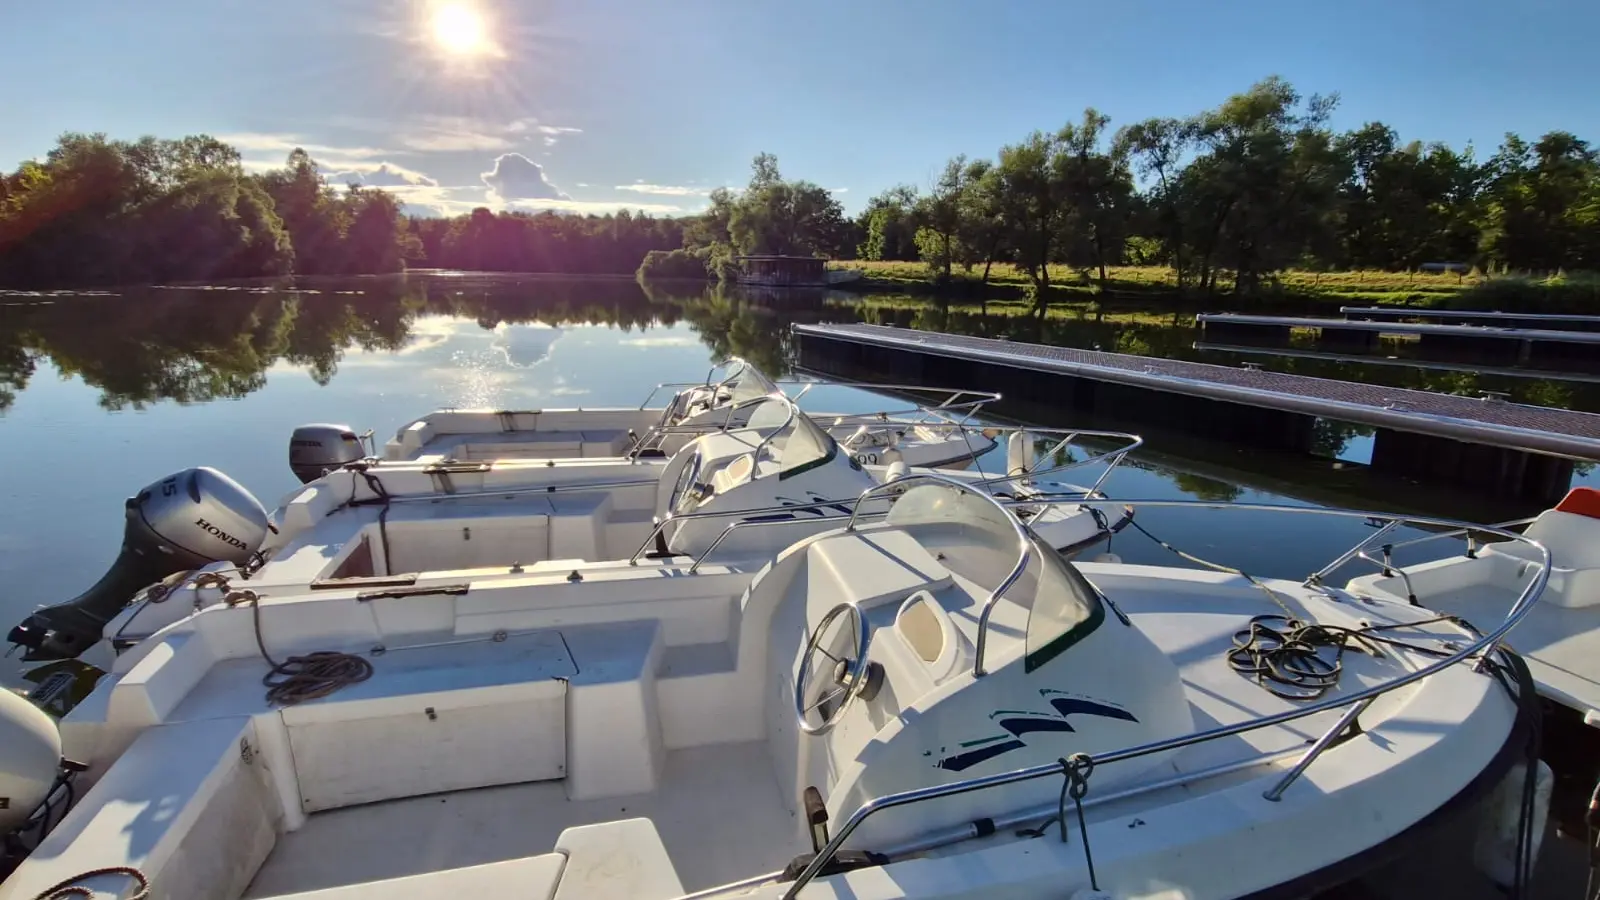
x=1567 y=293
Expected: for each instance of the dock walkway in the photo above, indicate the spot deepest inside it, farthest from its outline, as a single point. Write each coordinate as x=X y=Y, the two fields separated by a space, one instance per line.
x=1420 y=433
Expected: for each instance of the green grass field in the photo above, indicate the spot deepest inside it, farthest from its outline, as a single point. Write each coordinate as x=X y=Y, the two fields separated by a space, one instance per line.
x=1575 y=292
x=1158 y=277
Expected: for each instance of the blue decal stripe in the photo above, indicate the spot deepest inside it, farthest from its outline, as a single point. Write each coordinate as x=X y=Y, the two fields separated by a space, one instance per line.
x=972 y=757
x=1067 y=706
x=1020 y=727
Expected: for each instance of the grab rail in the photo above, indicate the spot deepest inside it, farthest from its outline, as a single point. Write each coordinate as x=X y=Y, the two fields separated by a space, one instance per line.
x=1469 y=531
x=1111 y=458
x=1486 y=642
x=1025 y=548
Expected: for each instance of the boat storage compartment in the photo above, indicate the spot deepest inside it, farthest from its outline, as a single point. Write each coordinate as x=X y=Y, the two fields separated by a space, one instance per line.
x=440 y=718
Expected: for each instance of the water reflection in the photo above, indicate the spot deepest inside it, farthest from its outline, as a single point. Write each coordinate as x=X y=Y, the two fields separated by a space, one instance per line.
x=200 y=345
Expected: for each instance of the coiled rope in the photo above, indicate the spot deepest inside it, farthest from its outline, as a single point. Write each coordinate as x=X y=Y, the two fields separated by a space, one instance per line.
x=64 y=890
x=306 y=677
x=1285 y=655
x=1289 y=656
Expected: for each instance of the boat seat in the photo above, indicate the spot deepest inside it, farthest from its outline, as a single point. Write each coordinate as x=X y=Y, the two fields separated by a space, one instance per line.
x=529 y=878
x=1573 y=539
x=435 y=718
x=578 y=525
x=188 y=804
x=623 y=860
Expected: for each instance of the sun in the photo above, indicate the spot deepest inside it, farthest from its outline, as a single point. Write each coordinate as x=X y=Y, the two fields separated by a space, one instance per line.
x=459 y=29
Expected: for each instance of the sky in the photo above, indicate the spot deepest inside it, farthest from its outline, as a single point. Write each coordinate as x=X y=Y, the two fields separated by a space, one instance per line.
x=592 y=105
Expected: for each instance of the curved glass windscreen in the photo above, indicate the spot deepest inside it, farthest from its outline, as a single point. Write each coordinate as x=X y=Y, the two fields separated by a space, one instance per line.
x=746 y=382
x=797 y=444
x=1062 y=606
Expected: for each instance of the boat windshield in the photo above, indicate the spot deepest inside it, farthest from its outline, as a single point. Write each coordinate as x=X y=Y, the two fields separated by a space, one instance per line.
x=798 y=444
x=980 y=544
x=746 y=382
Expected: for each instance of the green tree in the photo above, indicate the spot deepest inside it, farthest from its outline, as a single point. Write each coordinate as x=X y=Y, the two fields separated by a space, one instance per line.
x=784 y=217
x=888 y=225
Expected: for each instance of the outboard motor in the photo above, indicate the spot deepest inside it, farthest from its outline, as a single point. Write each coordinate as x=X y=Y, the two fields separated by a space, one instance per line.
x=30 y=755
x=315 y=450
x=184 y=521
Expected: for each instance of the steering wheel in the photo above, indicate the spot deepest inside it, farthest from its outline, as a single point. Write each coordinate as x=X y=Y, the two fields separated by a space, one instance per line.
x=686 y=479
x=819 y=705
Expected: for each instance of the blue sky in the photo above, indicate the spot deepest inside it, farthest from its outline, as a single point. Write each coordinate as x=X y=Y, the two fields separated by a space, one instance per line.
x=592 y=104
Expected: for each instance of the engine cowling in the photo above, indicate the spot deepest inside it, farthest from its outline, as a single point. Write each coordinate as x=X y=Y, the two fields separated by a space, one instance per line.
x=30 y=757
x=315 y=450
x=184 y=521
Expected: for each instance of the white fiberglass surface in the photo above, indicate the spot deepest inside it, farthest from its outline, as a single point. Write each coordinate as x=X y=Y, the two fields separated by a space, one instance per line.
x=717 y=810
x=1061 y=604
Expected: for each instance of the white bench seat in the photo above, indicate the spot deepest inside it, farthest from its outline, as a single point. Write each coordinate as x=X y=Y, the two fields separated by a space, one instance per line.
x=187 y=804
x=622 y=860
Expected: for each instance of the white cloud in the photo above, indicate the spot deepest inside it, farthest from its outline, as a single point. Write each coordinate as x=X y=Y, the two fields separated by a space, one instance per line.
x=516 y=177
x=598 y=207
x=447 y=134
x=664 y=190
x=278 y=142
x=384 y=175
x=268 y=150
x=838 y=190
x=437 y=200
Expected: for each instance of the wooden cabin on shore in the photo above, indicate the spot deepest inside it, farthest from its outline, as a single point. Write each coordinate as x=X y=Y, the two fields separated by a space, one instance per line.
x=790 y=271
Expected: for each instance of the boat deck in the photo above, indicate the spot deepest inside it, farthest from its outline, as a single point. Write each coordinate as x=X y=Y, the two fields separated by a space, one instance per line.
x=704 y=813
x=1484 y=421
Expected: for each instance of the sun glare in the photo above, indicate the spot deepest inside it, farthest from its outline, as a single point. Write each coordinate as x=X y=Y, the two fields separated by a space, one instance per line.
x=459 y=30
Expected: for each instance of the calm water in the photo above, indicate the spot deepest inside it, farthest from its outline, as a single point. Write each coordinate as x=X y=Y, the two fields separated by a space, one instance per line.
x=100 y=395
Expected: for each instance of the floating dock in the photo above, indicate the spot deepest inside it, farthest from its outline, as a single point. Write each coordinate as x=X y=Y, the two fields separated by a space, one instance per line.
x=1552 y=321
x=1505 y=449
x=1368 y=359
x=1513 y=346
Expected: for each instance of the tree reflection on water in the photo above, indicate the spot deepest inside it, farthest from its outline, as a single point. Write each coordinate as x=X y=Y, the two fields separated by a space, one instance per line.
x=198 y=344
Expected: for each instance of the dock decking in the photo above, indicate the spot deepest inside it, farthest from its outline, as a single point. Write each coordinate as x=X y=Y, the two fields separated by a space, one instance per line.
x=1505 y=447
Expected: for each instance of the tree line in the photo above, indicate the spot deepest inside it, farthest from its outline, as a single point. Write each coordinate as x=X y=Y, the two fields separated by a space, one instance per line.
x=1255 y=186
x=102 y=211
x=1230 y=195
x=97 y=211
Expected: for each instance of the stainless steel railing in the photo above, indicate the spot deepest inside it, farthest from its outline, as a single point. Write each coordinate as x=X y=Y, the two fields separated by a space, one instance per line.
x=1109 y=458
x=1484 y=643
x=1025 y=547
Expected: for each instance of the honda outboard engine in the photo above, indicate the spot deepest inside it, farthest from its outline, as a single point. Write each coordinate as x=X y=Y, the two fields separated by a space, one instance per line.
x=184 y=521
x=315 y=450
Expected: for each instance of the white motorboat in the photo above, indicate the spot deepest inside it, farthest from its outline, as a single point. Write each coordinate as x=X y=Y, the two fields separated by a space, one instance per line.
x=886 y=710
x=411 y=524
x=932 y=434
x=1560 y=638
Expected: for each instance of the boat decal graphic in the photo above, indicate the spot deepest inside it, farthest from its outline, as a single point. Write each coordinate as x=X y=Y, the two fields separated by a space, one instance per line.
x=839 y=508
x=1019 y=723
